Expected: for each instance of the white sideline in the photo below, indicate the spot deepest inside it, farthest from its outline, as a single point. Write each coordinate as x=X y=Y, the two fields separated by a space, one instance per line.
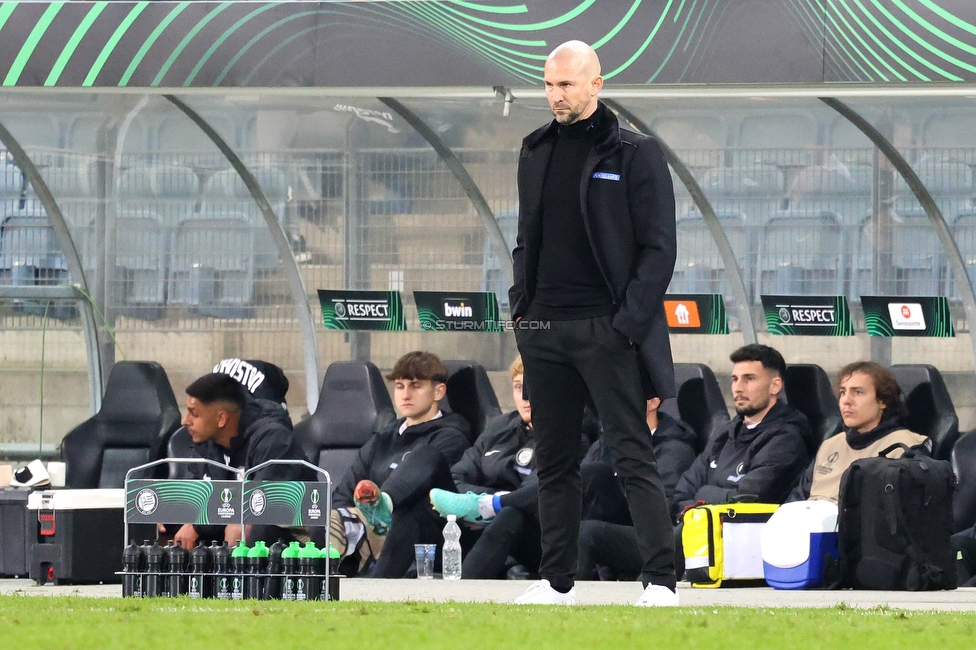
x=588 y=593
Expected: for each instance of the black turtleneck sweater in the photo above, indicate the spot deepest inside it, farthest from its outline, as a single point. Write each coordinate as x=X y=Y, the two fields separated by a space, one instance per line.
x=569 y=283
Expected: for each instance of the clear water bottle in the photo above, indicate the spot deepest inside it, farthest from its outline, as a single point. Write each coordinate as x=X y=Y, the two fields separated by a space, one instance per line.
x=452 y=549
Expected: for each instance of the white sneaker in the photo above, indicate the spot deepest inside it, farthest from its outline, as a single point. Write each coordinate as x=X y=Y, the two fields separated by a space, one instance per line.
x=542 y=593
x=657 y=596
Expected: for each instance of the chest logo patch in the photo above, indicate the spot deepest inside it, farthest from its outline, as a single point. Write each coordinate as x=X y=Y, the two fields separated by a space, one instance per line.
x=524 y=456
x=606 y=176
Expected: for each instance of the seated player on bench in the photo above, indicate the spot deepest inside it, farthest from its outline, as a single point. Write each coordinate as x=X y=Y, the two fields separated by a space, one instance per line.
x=229 y=426
x=381 y=506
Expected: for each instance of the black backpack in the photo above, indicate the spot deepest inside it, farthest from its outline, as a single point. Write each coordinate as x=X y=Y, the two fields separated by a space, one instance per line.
x=895 y=523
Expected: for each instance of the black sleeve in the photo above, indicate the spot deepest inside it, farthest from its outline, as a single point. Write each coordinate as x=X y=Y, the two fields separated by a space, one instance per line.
x=689 y=484
x=277 y=443
x=425 y=468
x=651 y=204
x=772 y=472
x=358 y=471
x=674 y=457
x=802 y=490
x=467 y=473
x=516 y=295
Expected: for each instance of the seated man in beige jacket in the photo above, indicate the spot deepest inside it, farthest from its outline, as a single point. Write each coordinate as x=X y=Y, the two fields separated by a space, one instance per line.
x=870 y=403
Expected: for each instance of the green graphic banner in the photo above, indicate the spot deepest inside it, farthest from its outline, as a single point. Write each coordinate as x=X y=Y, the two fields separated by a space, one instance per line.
x=182 y=502
x=696 y=313
x=285 y=503
x=362 y=310
x=808 y=315
x=426 y=43
x=912 y=316
x=446 y=311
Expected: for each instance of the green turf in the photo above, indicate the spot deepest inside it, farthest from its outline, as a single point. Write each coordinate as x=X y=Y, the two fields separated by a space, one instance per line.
x=180 y=624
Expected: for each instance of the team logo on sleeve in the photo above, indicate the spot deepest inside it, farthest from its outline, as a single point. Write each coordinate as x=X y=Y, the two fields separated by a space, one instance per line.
x=524 y=456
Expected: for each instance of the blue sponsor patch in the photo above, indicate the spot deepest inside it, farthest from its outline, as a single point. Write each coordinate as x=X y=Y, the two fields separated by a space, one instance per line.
x=607 y=176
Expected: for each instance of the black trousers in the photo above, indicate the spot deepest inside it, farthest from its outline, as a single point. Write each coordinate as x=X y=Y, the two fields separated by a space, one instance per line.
x=603 y=498
x=512 y=532
x=562 y=365
x=414 y=520
x=614 y=547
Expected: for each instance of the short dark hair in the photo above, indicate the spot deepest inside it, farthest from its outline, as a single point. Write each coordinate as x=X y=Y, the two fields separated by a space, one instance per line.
x=218 y=387
x=886 y=388
x=770 y=358
x=419 y=365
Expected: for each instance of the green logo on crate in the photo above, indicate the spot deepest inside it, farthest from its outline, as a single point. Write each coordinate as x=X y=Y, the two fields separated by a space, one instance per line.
x=283 y=503
x=696 y=313
x=914 y=316
x=447 y=311
x=169 y=501
x=362 y=310
x=808 y=315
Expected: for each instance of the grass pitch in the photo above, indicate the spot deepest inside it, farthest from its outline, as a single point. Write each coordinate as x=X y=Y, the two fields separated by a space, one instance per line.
x=53 y=623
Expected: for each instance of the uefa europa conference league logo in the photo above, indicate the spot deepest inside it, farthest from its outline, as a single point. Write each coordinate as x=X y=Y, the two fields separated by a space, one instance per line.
x=226 y=510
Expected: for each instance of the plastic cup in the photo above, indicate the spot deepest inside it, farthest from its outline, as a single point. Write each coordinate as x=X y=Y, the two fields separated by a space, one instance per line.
x=56 y=471
x=424 y=554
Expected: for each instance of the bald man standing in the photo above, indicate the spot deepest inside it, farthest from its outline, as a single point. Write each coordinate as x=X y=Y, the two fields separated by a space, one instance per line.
x=594 y=256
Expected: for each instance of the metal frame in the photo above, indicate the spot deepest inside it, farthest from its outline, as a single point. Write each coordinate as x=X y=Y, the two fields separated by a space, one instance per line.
x=708 y=214
x=166 y=461
x=949 y=247
x=75 y=268
x=299 y=293
x=461 y=174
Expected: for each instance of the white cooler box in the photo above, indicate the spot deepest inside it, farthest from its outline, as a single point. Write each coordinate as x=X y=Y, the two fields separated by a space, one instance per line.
x=75 y=535
x=796 y=542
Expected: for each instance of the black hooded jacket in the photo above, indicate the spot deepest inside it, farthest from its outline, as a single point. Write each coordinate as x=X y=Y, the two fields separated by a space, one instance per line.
x=764 y=461
x=264 y=434
x=674 y=448
x=379 y=460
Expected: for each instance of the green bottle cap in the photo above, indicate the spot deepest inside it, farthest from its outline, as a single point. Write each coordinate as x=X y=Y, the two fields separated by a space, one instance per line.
x=260 y=549
x=309 y=550
x=332 y=553
x=292 y=550
x=240 y=550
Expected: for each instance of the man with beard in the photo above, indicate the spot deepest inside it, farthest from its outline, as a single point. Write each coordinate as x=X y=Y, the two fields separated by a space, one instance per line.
x=761 y=453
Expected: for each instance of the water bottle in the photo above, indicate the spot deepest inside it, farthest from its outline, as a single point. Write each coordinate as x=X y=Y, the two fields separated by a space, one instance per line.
x=201 y=582
x=289 y=560
x=132 y=565
x=176 y=557
x=255 y=585
x=221 y=560
x=154 y=568
x=309 y=580
x=451 y=556
x=330 y=556
x=238 y=567
x=275 y=568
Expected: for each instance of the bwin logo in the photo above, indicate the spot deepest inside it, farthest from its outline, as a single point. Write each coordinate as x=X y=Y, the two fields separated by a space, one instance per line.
x=458 y=311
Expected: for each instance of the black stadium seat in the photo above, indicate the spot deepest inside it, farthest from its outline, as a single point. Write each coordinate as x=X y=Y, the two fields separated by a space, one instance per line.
x=930 y=409
x=699 y=403
x=808 y=390
x=470 y=395
x=964 y=467
x=139 y=412
x=353 y=403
